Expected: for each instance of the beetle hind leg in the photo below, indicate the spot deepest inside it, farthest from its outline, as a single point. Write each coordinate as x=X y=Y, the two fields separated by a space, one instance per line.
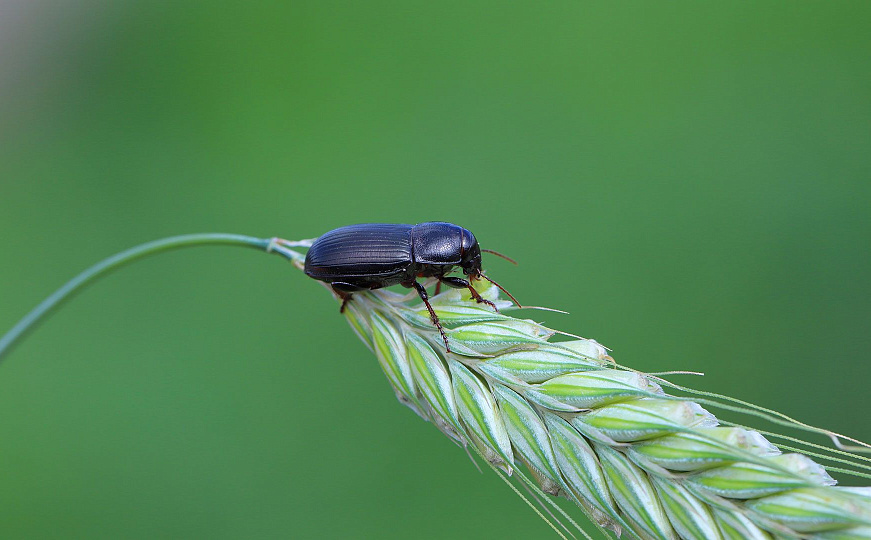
x=345 y=292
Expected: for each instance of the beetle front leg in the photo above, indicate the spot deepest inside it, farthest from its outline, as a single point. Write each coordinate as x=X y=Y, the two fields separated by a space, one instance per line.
x=421 y=291
x=460 y=283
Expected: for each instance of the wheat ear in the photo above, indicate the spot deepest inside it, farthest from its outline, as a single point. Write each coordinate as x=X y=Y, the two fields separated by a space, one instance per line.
x=637 y=460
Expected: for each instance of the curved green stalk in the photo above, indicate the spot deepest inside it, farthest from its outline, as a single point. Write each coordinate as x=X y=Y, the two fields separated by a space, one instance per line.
x=121 y=259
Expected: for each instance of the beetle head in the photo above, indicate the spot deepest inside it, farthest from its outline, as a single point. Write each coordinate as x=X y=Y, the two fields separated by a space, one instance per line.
x=470 y=260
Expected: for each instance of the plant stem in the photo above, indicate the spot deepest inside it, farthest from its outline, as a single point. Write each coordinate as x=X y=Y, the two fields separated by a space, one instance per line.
x=121 y=259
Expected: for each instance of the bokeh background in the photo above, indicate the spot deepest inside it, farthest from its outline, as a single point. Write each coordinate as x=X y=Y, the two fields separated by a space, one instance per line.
x=690 y=180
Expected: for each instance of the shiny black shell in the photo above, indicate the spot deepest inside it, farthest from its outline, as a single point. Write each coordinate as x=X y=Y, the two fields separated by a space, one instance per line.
x=373 y=255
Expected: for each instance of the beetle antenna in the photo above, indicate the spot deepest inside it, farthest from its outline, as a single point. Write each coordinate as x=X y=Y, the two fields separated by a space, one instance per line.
x=501 y=288
x=509 y=259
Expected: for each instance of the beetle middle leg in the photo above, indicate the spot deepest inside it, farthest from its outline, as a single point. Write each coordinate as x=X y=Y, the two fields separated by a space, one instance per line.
x=460 y=283
x=421 y=291
x=345 y=292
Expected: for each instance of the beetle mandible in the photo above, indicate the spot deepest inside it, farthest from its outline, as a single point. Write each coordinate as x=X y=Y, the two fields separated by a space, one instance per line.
x=375 y=255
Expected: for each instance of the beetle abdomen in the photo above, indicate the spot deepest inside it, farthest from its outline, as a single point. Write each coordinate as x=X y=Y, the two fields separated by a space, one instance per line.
x=371 y=249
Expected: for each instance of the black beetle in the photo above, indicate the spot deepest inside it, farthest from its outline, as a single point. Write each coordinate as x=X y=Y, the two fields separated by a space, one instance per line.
x=375 y=255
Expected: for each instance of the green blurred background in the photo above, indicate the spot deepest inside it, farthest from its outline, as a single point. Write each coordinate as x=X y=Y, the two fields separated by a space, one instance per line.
x=690 y=180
